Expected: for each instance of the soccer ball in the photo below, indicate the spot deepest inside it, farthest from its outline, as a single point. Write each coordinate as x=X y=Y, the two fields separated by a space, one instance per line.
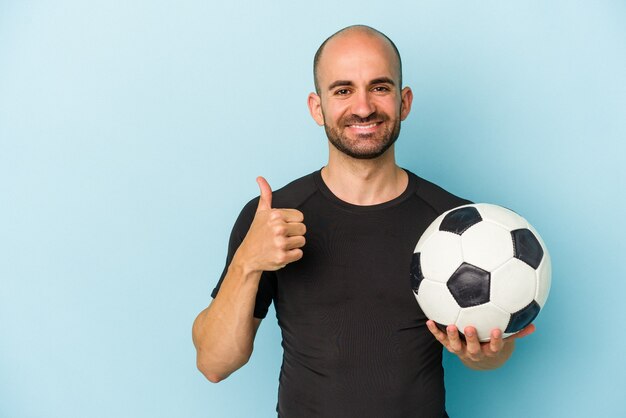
x=481 y=265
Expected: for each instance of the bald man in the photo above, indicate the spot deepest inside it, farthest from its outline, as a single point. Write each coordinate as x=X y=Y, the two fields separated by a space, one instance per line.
x=332 y=250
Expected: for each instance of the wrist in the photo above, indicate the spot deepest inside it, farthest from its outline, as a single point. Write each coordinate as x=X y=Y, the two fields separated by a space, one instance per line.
x=244 y=268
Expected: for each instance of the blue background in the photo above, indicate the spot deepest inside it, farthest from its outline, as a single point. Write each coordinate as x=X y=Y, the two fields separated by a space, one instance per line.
x=131 y=134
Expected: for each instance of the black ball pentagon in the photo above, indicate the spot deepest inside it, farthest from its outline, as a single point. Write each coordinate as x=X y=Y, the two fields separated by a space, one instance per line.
x=523 y=317
x=526 y=247
x=416 y=272
x=469 y=285
x=459 y=220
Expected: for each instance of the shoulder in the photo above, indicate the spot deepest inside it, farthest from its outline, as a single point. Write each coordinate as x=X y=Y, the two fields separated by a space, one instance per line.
x=292 y=195
x=436 y=196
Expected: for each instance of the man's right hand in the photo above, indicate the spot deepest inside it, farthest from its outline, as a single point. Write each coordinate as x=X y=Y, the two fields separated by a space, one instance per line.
x=275 y=237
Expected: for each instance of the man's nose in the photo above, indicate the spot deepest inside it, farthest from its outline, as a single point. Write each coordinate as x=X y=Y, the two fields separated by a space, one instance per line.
x=363 y=105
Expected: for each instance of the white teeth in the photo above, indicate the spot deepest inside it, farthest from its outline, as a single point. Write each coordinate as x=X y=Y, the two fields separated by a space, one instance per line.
x=363 y=126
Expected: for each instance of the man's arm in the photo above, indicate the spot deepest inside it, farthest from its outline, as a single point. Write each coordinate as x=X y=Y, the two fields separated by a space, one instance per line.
x=474 y=354
x=223 y=333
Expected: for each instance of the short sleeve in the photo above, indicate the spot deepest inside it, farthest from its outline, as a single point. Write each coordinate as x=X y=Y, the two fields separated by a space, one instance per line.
x=436 y=197
x=267 y=285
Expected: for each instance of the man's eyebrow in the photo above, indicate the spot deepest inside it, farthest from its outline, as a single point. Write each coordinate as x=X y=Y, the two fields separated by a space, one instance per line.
x=340 y=83
x=383 y=80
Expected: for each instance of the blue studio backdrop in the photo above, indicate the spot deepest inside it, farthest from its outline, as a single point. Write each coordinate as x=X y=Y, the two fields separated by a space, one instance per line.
x=131 y=133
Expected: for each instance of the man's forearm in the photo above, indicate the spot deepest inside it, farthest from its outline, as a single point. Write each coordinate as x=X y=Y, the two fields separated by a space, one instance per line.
x=223 y=333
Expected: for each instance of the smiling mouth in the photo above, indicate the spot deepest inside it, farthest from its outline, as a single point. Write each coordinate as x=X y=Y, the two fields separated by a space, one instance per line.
x=364 y=126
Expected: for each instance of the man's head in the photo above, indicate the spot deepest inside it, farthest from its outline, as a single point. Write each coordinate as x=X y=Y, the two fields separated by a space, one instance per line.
x=347 y=30
x=358 y=98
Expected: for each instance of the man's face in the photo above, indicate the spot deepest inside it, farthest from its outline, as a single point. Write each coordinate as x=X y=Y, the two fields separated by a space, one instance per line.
x=360 y=102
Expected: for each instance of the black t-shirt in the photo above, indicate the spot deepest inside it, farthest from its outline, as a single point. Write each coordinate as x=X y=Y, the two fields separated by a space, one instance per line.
x=354 y=338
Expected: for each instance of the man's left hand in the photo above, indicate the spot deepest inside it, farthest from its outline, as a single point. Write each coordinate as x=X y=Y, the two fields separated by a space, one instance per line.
x=473 y=353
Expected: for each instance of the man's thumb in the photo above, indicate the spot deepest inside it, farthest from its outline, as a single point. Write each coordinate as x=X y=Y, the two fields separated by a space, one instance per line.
x=265 y=202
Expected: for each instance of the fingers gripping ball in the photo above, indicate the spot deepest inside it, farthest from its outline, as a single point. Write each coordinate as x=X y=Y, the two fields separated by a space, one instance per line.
x=481 y=265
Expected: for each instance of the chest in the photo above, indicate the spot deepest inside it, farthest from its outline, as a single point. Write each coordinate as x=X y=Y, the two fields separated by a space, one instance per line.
x=355 y=261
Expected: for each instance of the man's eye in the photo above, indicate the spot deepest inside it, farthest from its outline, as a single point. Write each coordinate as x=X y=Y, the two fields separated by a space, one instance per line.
x=380 y=89
x=342 y=92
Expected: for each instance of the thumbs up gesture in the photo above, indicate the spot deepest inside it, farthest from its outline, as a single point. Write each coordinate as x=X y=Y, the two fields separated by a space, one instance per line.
x=275 y=237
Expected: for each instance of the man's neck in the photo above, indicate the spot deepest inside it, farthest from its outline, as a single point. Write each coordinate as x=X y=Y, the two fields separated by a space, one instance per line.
x=364 y=182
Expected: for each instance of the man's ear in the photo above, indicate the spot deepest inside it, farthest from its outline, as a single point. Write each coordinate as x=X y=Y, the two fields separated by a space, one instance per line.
x=315 y=108
x=407 y=99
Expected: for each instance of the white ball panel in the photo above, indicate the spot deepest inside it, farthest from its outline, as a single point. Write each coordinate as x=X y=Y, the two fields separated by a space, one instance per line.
x=433 y=228
x=544 y=279
x=441 y=256
x=502 y=216
x=437 y=302
x=544 y=271
x=513 y=285
x=487 y=245
x=484 y=318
